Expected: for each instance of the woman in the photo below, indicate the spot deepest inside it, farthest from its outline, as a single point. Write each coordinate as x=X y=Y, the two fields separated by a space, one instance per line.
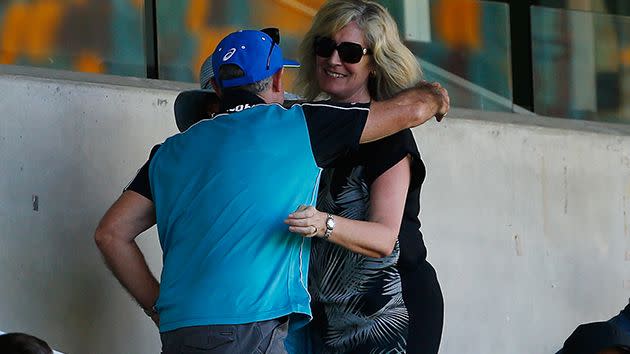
x=371 y=286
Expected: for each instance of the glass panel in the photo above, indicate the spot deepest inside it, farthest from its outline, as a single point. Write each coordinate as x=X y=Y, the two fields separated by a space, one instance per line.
x=581 y=64
x=466 y=48
x=100 y=36
x=612 y=7
x=188 y=30
x=468 y=53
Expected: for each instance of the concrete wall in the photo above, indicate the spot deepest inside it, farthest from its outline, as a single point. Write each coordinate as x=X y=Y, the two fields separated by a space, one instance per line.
x=526 y=222
x=525 y=218
x=72 y=146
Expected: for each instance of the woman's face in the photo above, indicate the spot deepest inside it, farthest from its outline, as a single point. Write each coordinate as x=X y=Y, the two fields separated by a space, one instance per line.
x=345 y=82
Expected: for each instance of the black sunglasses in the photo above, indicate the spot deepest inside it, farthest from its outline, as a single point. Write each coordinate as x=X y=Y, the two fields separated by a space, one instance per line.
x=349 y=52
x=274 y=33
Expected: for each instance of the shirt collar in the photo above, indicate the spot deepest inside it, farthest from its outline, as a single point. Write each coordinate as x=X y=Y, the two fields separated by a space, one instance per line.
x=231 y=101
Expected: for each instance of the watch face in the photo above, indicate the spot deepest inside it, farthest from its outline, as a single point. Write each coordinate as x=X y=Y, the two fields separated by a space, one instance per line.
x=330 y=223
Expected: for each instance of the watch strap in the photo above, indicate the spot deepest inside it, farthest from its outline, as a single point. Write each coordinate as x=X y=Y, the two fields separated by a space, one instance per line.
x=329 y=229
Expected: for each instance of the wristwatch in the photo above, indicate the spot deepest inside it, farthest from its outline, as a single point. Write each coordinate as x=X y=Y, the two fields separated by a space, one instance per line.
x=330 y=225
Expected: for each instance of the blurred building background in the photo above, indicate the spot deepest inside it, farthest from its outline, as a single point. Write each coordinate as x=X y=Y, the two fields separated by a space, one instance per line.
x=526 y=218
x=580 y=49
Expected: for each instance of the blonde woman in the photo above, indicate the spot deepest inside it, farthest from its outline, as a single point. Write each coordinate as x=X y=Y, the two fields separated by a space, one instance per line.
x=372 y=289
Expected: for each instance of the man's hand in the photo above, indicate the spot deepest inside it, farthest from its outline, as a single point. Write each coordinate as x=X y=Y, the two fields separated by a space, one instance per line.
x=426 y=100
x=438 y=94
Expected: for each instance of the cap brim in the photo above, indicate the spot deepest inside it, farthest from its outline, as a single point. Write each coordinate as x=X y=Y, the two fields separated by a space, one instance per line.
x=193 y=106
x=290 y=63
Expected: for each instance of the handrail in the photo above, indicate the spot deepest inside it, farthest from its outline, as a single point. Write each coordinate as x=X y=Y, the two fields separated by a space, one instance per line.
x=458 y=80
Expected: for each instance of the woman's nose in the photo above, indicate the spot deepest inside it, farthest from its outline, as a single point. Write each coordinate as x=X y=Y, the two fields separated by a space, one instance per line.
x=334 y=58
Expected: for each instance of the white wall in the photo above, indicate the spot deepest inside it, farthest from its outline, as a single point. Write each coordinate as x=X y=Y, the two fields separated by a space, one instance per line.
x=525 y=223
x=75 y=146
x=527 y=227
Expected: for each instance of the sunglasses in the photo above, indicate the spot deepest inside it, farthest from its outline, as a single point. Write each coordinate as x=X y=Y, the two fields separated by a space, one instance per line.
x=274 y=33
x=349 y=52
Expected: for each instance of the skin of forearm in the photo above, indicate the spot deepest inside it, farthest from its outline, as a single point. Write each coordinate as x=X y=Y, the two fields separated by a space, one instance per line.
x=368 y=238
x=377 y=236
x=128 y=265
x=391 y=116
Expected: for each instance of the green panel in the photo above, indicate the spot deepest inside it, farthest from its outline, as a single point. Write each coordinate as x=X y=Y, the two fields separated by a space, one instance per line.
x=102 y=36
x=581 y=64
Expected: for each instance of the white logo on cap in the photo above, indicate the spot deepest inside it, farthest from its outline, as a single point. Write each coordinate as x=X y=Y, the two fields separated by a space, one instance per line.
x=229 y=54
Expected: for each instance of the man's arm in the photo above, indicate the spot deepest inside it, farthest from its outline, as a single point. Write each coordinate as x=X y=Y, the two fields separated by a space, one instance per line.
x=407 y=109
x=115 y=236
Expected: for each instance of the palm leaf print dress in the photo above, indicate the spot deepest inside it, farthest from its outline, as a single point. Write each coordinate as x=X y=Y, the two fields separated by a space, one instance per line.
x=357 y=301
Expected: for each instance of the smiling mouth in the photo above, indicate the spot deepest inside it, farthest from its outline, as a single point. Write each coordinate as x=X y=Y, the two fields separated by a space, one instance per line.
x=333 y=74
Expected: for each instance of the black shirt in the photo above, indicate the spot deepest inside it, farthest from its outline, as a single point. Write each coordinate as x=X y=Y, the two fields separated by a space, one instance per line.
x=334 y=131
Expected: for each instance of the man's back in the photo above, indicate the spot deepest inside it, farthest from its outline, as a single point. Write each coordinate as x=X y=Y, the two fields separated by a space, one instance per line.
x=221 y=191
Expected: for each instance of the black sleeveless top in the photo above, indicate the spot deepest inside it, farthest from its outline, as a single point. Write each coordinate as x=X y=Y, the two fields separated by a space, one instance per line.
x=357 y=300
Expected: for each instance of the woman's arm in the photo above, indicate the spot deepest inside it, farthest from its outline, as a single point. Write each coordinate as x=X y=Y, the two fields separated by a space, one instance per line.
x=375 y=237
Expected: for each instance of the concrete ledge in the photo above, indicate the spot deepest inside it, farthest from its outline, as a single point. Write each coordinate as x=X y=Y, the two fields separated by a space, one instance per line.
x=79 y=78
x=526 y=219
x=537 y=121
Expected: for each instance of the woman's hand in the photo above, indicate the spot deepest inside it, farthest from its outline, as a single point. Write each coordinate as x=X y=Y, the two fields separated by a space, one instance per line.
x=307 y=221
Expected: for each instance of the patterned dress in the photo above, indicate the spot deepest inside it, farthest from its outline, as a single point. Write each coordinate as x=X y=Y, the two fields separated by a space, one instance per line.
x=357 y=301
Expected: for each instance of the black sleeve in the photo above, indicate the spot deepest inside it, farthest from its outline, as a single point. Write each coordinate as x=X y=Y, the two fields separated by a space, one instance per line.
x=192 y=106
x=381 y=155
x=140 y=184
x=335 y=129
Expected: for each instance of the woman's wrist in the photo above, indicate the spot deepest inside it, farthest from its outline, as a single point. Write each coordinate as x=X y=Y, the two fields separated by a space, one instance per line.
x=329 y=225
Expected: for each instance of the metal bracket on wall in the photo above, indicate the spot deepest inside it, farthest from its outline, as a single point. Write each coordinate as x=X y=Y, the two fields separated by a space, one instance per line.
x=521 y=51
x=150 y=39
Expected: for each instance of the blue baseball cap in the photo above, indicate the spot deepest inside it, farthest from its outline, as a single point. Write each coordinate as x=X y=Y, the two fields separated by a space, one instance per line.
x=192 y=105
x=255 y=52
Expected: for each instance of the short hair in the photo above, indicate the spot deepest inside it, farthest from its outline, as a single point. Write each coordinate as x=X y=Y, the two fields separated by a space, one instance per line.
x=22 y=343
x=396 y=67
x=233 y=71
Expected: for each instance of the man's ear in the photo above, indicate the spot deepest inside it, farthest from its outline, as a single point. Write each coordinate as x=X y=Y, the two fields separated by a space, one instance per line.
x=276 y=81
x=216 y=87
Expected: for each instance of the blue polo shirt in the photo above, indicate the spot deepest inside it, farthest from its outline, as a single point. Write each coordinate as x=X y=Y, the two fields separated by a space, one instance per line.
x=222 y=190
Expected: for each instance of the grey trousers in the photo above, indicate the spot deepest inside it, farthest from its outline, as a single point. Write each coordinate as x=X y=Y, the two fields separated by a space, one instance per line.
x=264 y=337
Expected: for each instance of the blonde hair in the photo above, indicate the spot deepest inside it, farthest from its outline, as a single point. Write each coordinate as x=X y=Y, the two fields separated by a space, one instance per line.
x=395 y=67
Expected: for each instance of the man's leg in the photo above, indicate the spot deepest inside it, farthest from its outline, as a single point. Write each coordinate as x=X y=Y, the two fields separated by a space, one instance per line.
x=265 y=337
x=274 y=334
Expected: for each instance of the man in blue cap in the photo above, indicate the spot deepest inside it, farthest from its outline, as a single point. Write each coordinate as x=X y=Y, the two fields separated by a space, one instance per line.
x=233 y=276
